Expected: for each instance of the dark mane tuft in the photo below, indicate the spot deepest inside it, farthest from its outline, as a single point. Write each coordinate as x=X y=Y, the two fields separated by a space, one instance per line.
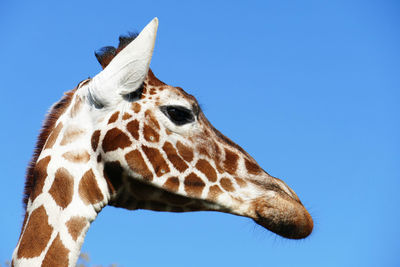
x=105 y=54
x=56 y=111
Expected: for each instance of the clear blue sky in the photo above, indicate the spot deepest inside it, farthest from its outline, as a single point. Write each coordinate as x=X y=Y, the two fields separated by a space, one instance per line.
x=311 y=89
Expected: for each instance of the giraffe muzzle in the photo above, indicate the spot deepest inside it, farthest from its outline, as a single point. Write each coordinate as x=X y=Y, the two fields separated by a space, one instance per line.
x=283 y=215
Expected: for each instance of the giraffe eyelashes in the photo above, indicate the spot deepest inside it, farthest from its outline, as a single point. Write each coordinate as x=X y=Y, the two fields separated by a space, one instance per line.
x=179 y=115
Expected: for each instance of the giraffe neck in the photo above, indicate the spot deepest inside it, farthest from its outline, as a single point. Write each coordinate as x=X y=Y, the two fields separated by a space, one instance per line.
x=68 y=193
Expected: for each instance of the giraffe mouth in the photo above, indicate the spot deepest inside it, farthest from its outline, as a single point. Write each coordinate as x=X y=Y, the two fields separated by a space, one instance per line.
x=284 y=216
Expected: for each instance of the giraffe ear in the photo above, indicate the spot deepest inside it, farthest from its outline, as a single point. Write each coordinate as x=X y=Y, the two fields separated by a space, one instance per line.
x=127 y=70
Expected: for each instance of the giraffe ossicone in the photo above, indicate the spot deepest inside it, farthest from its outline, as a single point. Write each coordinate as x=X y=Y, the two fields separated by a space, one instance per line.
x=126 y=139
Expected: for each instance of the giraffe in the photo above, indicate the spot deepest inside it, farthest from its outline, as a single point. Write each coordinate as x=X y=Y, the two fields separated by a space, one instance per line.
x=126 y=139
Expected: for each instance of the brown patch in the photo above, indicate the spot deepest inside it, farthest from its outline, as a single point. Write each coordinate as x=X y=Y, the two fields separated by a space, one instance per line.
x=48 y=127
x=126 y=116
x=89 y=190
x=76 y=107
x=57 y=255
x=252 y=167
x=203 y=150
x=194 y=185
x=150 y=134
x=174 y=158
x=39 y=176
x=152 y=91
x=75 y=226
x=138 y=165
x=113 y=117
x=172 y=184
x=214 y=192
x=152 y=80
x=36 y=236
x=136 y=107
x=71 y=134
x=62 y=188
x=95 y=140
x=230 y=162
x=227 y=184
x=185 y=152
x=114 y=139
x=77 y=156
x=157 y=160
x=151 y=119
x=53 y=136
x=113 y=174
x=240 y=182
x=133 y=129
x=205 y=167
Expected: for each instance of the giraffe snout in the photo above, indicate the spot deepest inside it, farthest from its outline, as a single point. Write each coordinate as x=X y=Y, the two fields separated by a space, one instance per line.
x=283 y=213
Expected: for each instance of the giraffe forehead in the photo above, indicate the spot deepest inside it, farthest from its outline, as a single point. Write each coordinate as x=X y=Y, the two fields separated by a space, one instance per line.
x=169 y=95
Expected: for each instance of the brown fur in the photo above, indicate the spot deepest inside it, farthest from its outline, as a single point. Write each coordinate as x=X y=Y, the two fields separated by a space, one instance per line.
x=39 y=174
x=114 y=139
x=36 y=236
x=174 y=158
x=77 y=156
x=214 y=192
x=57 y=255
x=172 y=184
x=206 y=168
x=113 y=117
x=150 y=134
x=89 y=190
x=227 y=184
x=133 y=129
x=157 y=160
x=95 y=140
x=137 y=164
x=194 y=185
x=62 y=188
x=185 y=152
x=75 y=226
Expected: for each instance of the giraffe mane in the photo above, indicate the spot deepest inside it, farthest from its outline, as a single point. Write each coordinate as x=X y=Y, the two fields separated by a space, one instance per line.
x=48 y=126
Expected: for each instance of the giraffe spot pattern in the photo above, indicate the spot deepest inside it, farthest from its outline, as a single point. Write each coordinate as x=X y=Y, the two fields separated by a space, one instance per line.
x=95 y=140
x=172 y=184
x=136 y=107
x=174 y=158
x=227 y=184
x=39 y=174
x=137 y=164
x=57 y=255
x=206 y=168
x=89 y=190
x=150 y=134
x=114 y=139
x=36 y=236
x=240 y=182
x=113 y=117
x=194 y=185
x=214 y=192
x=133 y=129
x=71 y=134
x=230 y=162
x=126 y=116
x=185 y=152
x=151 y=119
x=157 y=160
x=77 y=156
x=75 y=226
x=62 y=188
x=53 y=136
x=252 y=167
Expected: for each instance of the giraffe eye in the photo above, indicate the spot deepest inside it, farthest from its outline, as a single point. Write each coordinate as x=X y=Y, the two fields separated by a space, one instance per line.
x=178 y=114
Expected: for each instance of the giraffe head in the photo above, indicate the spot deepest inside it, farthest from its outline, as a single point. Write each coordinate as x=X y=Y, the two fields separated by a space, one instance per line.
x=154 y=148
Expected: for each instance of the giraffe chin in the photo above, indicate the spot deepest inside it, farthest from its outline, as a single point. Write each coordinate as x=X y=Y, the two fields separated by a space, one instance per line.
x=284 y=216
